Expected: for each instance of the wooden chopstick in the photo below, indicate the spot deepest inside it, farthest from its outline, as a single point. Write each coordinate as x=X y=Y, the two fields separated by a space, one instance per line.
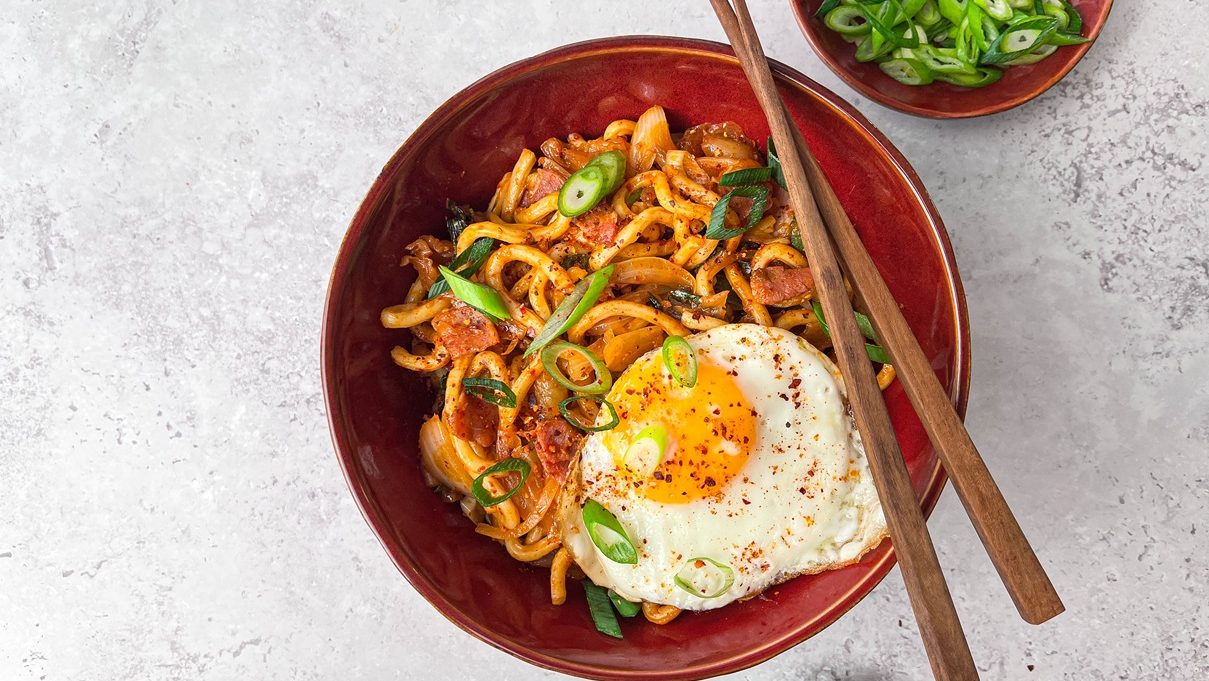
x=939 y=626
x=1013 y=557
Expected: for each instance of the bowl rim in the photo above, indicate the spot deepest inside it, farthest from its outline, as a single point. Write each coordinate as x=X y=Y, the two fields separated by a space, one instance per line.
x=346 y=454
x=803 y=18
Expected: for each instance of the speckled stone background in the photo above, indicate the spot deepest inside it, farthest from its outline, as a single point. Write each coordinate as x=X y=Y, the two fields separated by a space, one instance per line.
x=175 y=178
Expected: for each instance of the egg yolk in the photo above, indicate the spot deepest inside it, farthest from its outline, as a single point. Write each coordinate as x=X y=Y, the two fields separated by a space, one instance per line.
x=710 y=427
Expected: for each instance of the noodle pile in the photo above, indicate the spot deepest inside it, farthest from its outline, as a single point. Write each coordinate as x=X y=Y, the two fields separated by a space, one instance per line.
x=669 y=279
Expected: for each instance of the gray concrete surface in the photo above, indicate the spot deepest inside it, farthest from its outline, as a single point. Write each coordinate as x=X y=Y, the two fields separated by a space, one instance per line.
x=175 y=178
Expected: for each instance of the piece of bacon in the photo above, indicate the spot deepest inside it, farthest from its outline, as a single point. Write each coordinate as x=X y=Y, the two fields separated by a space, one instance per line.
x=779 y=285
x=557 y=441
x=599 y=225
x=542 y=183
x=475 y=420
x=464 y=331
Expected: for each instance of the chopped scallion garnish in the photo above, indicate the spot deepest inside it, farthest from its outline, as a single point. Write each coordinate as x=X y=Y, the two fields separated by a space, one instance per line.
x=705 y=577
x=624 y=608
x=466 y=264
x=601 y=608
x=646 y=451
x=564 y=408
x=680 y=360
x=604 y=378
x=876 y=352
x=485 y=498
x=490 y=390
x=608 y=535
x=480 y=297
x=717 y=220
x=572 y=308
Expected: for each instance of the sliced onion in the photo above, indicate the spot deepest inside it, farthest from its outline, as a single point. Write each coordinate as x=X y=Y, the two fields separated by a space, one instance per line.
x=438 y=459
x=651 y=137
x=651 y=270
x=622 y=350
x=719 y=146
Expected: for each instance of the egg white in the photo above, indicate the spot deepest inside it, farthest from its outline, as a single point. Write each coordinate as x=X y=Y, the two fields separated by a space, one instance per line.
x=804 y=502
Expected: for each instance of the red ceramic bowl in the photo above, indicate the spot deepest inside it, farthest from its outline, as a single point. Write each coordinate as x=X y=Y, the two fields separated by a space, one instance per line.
x=941 y=100
x=375 y=408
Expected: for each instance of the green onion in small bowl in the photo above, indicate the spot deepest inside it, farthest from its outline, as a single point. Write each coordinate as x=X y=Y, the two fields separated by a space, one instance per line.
x=963 y=45
x=963 y=42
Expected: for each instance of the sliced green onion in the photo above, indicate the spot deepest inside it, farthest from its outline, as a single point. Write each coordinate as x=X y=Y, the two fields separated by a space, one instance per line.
x=480 y=297
x=939 y=31
x=847 y=20
x=745 y=176
x=1075 y=23
x=632 y=197
x=485 y=499
x=1062 y=39
x=572 y=308
x=564 y=408
x=975 y=15
x=953 y=10
x=967 y=48
x=750 y=176
x=943 y=60
x=1033 y=57
x=550 y=355
x=982 y=77
x=608 y=535
x=795 y=236
x=589 y=185
x=490 y=390
x=928 y=15
x=646 y=451
x=624 y=608
x=910 y=8
x=876 y=352
x=583 y=190
x=601 y=609
x=613 y=163
x=705 y=577
x=865 y=325
x=826 y=7
x=996 y=9
x=680 y=360
x=888 y=31
x=904 y=35
x=717 y=219
x=907 y=71
x=774 y=162
x=1020 y=39
x=869 y=49
x=466 y=264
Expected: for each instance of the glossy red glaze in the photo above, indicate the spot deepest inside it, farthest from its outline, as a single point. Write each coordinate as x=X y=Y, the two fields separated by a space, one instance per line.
x=375 y=408
x=941 y=100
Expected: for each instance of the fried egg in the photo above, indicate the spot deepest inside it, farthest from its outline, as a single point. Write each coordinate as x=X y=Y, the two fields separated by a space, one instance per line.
x=753 y=475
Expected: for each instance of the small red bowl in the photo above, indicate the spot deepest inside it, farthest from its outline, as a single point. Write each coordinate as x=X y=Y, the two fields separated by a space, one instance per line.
x=375 y=408
x=941 y=100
